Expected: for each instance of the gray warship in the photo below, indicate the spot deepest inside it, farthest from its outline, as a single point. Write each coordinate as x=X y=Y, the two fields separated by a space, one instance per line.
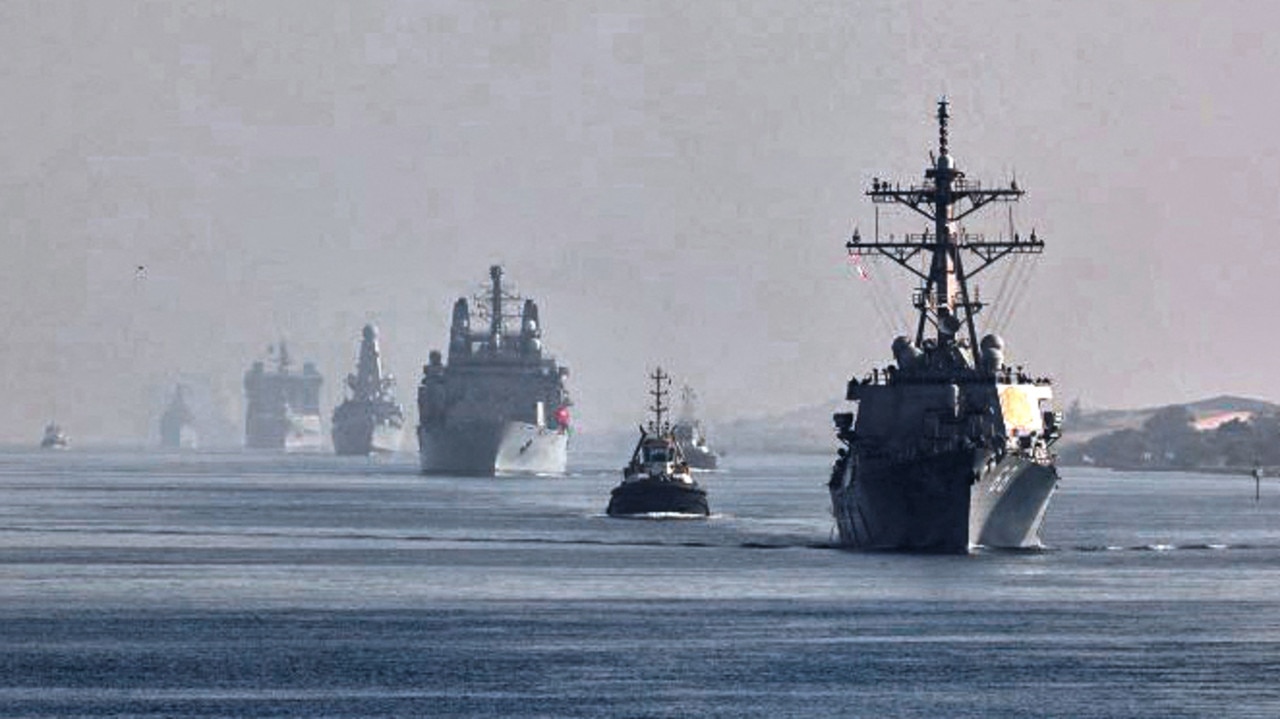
x=690 y=435
x=951 y=447
x=283 y=406
x=176 y=430
x=500 y=405
x=54 y=437
x=370 y=420
x=657 y=481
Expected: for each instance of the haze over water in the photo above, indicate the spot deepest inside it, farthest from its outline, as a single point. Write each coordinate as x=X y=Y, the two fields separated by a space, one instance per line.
x=185 y=184
x=681 y=170
x=252 y=585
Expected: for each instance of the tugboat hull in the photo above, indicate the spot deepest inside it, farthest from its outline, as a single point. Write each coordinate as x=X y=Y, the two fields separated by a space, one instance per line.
x=492 y=448
x=653 y=496
x=934 y=504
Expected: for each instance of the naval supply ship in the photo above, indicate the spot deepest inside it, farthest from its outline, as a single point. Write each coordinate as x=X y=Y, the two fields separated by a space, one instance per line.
x=690 y=435
x=951 y=447
x=499 y=405
x=370 y=420
x=283 y=406
x=657 y=480
x=176 y=430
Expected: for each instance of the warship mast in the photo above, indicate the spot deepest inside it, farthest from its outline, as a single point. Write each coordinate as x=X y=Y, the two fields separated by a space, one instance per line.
x=945 y=198
x=659 y=392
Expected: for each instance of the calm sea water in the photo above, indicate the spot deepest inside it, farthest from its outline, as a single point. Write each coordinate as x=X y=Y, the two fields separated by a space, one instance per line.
x=136 y=584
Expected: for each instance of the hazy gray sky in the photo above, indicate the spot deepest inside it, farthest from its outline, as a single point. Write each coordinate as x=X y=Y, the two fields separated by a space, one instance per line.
x=673 y=182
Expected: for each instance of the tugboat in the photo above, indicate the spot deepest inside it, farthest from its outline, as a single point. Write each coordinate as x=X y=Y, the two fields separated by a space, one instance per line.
x=176 y=431
x=657 y=480
x=951 y=447
x=370 y=420
x=54 y=437
x=500 y=406
x=690 y=435
x=283 y=406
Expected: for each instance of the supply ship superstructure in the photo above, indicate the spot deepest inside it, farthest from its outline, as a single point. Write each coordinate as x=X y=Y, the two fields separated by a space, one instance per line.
x=370 y=420
x=499 y=405
x=951 y=447
x=283 y=406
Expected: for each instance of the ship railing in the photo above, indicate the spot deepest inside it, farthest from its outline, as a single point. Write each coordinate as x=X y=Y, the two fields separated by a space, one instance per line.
x=959 y=237
x=922 y=300
x=959 y=184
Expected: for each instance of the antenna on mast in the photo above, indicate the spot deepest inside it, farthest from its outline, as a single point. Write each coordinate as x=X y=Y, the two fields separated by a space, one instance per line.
x=943 y=116
x=945 y=198
x=661 y=381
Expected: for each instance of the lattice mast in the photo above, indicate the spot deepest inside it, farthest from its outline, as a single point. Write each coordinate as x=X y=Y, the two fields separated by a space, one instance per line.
x=661 y=381
x=945 y=198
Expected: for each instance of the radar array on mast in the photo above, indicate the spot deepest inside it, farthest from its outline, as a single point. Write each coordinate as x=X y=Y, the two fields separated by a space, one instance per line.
x=945 y=198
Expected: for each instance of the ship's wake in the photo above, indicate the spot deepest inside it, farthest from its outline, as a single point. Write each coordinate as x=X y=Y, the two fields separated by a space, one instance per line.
x=726 y=541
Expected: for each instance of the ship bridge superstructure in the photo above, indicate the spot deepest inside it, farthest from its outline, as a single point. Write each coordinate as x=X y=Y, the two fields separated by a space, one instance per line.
x=497 y=325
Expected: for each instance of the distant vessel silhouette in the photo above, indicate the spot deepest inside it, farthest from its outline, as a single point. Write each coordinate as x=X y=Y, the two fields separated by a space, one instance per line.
x=54 y=437
x=370 y=420
x=176 y=430
x=690 y=435
x=283 y=409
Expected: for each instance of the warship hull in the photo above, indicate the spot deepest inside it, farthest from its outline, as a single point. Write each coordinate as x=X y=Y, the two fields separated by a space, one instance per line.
x=934 y=504
x=656 y=496
x=488 y=448
x=183 y=437
x=362 y=433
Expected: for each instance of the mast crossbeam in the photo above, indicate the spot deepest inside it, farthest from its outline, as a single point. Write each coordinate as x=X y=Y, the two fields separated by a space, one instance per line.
x=945 y=199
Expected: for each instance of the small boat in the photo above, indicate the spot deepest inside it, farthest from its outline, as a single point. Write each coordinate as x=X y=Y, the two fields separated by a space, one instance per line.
x=54 y=437
x=657 y=480
x=690 y=435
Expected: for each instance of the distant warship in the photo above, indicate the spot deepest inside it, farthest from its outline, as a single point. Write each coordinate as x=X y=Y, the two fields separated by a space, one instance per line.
x=369 y=420
x=176 y=431
x=283 y=407
x=54 y=437
x=500 y=405
x=657 y=480
x=951 y=447
x=690 y=435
